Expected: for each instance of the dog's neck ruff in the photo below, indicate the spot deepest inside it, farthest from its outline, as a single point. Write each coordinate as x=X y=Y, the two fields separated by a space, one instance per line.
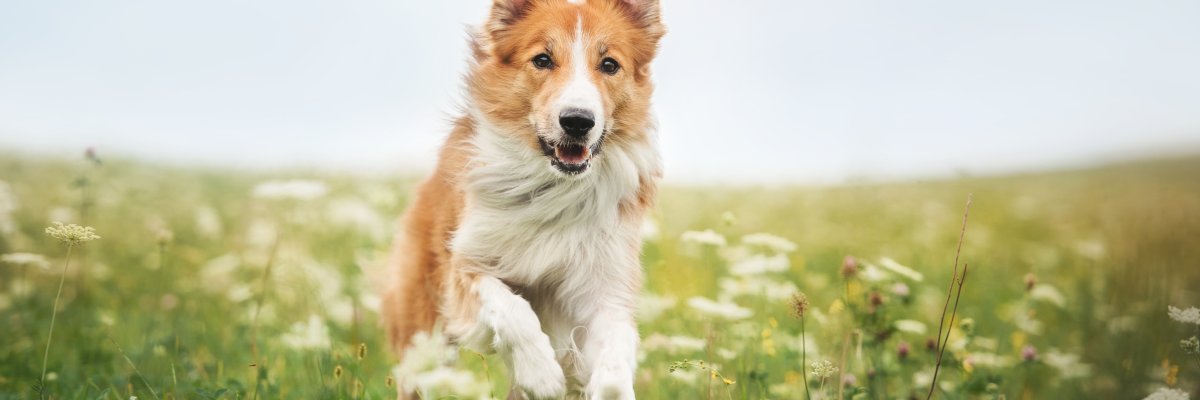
x=525 y=221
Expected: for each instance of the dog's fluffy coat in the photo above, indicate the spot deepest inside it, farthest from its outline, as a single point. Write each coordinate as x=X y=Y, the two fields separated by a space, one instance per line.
x=513 y=254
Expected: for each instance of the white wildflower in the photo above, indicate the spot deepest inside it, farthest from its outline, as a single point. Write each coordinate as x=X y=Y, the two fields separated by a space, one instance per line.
x=775 y=243
x=910 y=326
x=650 y=230
x=1168 y=394
x=675 y=344
x=312 y=334
x=726 y=353
x=991 y=360
x=759 y=264
x=26 y=260
x=72 y=234
x=1188 y=316
x=871 y=273
x=686 y=375
x=651 y=306
x=208 y=222
x=358 y=214
x=427 y=369
x=1067 y=364
x=726 y=310
x=898 y=268
x=1049 y=294
x=298 y=189
x=705 y=237
x=757 y=286
x=823 y=369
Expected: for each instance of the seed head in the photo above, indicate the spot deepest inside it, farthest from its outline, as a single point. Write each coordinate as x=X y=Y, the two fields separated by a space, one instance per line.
x=902 y=350
x=799 y=305
x=1030 y=281
x=1029 y=353
x=362 y=351
x=72 y=234
x=849 y=267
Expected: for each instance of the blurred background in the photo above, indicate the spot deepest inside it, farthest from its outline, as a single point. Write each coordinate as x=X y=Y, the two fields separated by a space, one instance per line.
x=776 y=91
x=243 y=163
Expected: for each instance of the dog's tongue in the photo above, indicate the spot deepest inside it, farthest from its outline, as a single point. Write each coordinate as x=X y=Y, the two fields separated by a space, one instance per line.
x=571 y=153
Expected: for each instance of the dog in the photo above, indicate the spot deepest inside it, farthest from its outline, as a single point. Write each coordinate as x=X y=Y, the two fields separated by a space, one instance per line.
x=525 y=240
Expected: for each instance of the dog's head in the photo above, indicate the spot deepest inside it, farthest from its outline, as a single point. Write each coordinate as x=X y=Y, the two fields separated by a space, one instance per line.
x=565 y=77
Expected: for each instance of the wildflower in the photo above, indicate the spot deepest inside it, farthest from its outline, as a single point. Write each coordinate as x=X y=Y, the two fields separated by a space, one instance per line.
x=651 y=306
x=849 y=380
x=297 y=189
x=777 y=244
x=705 y=237
x=823 y=369
x=799 y=304
x=72 y=234
x=759 y=264
x=898 y=268
x=26 y=259
x=1188 y=316
x=875 y=300
x=362 y=351
x=1029 y=353
x=910 y=326
x=967 y=325
x=1030 y=281
x=931 y=344
x=849 y=267
x=725 y=309
x=311 y=334
x=1048 y=294
x=337 y=372
x=902 y=350
x=1168 y=394
x=900 y=289
x=90 y=155
x=673 y=344
x=1190 y=345
x=756 y=286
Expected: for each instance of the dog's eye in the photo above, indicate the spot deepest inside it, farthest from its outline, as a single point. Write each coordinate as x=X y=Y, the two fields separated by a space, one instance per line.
x=542 y=61
x=609 y=66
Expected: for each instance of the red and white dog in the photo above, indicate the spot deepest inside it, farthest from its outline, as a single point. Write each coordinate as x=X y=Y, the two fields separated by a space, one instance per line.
x=525 y=241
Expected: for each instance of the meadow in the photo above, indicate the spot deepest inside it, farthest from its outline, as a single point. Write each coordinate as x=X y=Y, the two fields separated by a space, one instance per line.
x=221 y=284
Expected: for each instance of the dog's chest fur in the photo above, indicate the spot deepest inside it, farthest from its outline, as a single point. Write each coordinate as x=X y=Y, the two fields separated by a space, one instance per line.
x=532 y=227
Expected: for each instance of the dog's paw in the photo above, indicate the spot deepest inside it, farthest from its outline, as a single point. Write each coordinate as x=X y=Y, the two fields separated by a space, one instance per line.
x=536 y=373
x=611 y=383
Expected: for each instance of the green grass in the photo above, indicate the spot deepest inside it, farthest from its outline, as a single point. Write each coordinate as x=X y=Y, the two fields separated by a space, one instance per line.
x=142 y=310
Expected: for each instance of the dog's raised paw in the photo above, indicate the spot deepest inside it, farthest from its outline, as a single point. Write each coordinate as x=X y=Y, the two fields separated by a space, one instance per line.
x=538 y=376
x=610 y=384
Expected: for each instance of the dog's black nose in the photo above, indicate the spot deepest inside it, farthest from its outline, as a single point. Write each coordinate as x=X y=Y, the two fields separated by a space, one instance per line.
x=576 y=122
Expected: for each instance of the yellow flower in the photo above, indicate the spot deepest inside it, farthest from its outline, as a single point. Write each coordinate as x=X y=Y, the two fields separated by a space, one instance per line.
x=72 y=234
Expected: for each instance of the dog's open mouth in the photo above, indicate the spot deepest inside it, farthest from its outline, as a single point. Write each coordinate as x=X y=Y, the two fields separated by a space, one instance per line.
x=569 y=157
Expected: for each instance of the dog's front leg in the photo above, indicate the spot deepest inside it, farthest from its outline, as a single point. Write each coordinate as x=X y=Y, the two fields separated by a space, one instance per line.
x=611 y=352
x=489 y=316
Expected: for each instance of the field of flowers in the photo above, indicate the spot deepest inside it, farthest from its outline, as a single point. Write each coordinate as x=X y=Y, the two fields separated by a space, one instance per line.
x=221 y=284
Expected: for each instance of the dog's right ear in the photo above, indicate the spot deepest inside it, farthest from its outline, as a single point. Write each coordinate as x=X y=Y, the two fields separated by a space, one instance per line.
x=504 y=14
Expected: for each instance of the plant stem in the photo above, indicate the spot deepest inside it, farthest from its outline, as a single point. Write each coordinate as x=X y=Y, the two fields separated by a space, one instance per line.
x=54 y=315
x=804 y=359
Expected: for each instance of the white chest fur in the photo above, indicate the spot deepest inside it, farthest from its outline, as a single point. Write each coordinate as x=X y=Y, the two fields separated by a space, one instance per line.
x=528 y=224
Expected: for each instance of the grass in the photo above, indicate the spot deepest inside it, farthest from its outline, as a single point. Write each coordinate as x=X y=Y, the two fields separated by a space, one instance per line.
x=202 y=289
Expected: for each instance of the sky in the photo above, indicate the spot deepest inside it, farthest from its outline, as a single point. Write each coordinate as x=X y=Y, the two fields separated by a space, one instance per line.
x=747 y=91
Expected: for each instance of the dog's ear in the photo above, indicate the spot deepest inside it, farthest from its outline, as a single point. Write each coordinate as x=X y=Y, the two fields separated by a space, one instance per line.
x=504 y=14
x=645 y=14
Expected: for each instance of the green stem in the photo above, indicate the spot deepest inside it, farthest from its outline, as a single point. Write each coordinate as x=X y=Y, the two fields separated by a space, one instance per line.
x=804 y=359
x=54 y=315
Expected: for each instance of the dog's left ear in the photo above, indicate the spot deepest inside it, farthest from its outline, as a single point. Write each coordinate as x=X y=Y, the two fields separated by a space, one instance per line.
x=645 y=14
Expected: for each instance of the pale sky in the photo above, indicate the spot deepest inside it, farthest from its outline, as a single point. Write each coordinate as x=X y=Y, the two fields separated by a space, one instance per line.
x=748 y=91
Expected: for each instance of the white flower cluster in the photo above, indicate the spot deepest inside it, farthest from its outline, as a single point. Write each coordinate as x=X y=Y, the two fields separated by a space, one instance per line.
x=298 y=189
x=26 y=259
x=308 y=335
x=1189 y=316
x=1168 y=394
x=823 y=369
